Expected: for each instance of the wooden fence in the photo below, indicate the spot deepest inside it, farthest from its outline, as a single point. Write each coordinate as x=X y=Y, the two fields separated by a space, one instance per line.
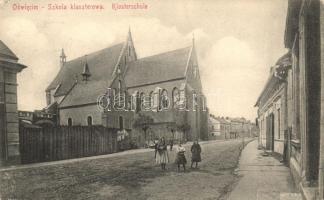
x=64 y=142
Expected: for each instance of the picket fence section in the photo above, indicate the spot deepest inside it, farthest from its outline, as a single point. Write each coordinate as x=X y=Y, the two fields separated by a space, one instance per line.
x=65 y=142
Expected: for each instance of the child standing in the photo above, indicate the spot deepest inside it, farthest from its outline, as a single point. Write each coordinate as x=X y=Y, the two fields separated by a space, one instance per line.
x=162 y=154
x=196 y=151
x=181 y=158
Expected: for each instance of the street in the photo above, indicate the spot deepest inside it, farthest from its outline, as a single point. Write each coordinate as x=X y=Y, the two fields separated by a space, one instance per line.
x=128 y=176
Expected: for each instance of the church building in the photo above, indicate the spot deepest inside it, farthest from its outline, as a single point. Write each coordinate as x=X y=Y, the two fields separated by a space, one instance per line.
x=113 y=87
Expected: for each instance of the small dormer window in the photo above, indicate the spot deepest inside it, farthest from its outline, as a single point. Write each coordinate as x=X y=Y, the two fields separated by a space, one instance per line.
x=86 y=71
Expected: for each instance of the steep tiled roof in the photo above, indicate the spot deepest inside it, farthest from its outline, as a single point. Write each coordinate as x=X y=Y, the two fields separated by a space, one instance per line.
x=5 y=51
x=85 y=93
x=161 y=67
x=101 y=65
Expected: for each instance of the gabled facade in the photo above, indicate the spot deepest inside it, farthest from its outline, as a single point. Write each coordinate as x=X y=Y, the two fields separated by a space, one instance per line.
x=154 y=82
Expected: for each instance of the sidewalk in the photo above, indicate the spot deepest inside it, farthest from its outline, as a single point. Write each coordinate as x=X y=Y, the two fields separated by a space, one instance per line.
x=262 y=178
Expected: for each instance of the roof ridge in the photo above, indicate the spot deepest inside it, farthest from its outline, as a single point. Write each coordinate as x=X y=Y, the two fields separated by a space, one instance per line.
x=94 y=52
x=8 y=52
x=158 y=54
x=74 y=66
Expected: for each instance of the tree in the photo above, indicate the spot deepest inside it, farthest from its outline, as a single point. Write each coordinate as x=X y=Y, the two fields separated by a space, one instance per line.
x=184 y=128
x=143 y=122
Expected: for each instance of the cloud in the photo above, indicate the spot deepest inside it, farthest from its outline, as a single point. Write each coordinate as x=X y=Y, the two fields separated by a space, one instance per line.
x=34 y=50
x=228 y=71
x=157 y=38
x=38 y=46
x=236 y=43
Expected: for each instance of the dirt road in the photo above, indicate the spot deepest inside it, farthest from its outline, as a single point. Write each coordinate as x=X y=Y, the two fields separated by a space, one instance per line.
x=128 y=176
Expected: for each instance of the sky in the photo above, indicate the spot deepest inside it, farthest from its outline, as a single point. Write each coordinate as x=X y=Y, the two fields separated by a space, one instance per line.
x=237 y=41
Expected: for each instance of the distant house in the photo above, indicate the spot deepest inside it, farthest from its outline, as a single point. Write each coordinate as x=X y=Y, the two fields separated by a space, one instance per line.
x=214 y=128
x=38 y=117
x=225 y=128
x=26 y=116
x=219 y=128
x=241 y=127
x=236 y=128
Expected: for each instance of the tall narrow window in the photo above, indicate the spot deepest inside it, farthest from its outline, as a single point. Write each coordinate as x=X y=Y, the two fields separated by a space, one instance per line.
x=156 y=99
x=164 y=100
x=175 y=97
x=119 y=93
x=151 y=99
x=136 y=102
x=141 y=100
x=70 y=122
x=89 y=119
x=119 y=86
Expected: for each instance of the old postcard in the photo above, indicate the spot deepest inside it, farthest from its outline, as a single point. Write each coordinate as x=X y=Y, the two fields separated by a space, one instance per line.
x=172 y=99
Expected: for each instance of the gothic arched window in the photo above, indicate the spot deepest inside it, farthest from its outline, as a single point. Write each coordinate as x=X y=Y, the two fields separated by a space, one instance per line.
x=164 y=99
x=194 y=101
x=119 y=86
x=151 y=99
x=142 y=96
x=139 y=100
x=134 y=101
x=89 y=120
x=70 y=121
x=175 y=97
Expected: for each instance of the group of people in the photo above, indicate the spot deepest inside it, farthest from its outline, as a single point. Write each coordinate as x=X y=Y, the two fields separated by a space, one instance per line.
x=162 y=157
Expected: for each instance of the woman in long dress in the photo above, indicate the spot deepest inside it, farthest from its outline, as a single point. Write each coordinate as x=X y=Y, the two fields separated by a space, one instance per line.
x=181 y=158
x=196 y=151
x=162 y=154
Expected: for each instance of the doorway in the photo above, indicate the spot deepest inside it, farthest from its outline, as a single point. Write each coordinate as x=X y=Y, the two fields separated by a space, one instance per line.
x=270 y=132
